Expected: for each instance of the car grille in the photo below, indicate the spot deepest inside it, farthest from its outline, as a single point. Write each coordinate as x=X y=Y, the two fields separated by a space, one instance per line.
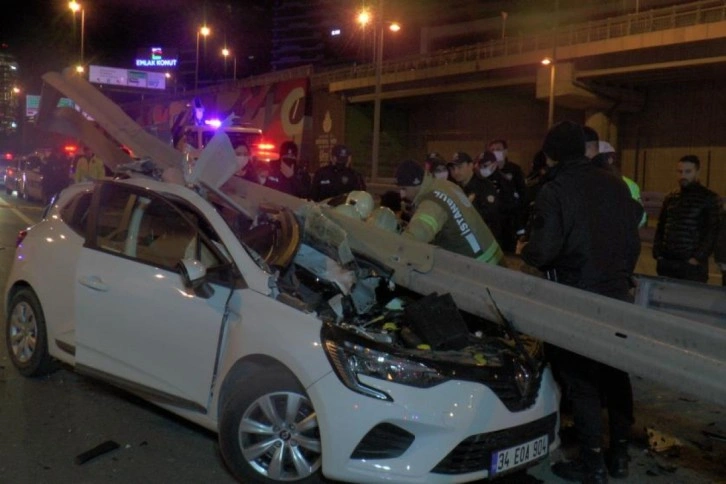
x=474 y=453
x=512 y=396
x=384 y=441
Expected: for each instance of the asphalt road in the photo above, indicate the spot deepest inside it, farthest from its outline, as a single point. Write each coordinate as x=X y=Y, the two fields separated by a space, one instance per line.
x=46 y=423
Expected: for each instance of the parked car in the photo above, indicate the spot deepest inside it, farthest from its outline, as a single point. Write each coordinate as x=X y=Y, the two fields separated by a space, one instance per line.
x=30 y=179
x=5 y=163
x=302 y=355
x=13 y=176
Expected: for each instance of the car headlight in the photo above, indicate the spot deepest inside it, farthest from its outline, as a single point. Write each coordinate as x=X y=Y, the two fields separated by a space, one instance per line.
x=351 y=359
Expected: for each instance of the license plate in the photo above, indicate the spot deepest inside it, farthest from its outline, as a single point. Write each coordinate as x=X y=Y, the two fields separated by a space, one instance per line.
x=518 y=455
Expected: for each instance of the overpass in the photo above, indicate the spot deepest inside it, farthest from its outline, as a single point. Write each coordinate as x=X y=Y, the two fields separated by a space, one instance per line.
x=645 y=81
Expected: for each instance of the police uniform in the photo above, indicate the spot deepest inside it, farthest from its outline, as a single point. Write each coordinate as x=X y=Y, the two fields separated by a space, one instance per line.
x=337 y=178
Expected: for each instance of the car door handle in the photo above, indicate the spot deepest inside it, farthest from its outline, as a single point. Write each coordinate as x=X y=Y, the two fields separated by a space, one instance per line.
x=94 y=282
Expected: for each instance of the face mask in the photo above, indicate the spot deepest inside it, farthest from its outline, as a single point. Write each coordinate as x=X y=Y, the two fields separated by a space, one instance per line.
x=441 y=175
x=500 y=155
x=287 y=170
x=242 y=161
x=486 y=171
x=262 y=179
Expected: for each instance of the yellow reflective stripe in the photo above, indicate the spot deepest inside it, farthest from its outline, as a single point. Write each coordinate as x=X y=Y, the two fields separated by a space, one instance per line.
x=492 y=255
x=430 y=221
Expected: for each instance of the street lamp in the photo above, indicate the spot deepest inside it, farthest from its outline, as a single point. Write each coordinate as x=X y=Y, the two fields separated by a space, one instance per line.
x=547 y=61
x=225 y=53
x=75 y=7
x=363 y=19
x=204 y=30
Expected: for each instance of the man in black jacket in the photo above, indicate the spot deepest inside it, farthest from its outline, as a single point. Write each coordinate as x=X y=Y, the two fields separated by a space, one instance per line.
x=481 y=192
x=336 y=178
x=687 y=226
x=584 y=233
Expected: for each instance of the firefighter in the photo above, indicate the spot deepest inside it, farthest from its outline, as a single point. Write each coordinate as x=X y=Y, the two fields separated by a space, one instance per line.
x=444 y=216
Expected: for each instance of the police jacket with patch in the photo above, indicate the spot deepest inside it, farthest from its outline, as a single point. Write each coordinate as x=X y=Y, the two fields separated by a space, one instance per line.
x=483 y=195
x=687 y=224
x=332 y=180
x=281 y=183
x=584 y=229
x=445 y=217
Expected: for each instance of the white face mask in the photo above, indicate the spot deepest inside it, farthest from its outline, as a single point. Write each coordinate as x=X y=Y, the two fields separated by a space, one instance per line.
x=287 y=170
x=500 y=154
x=262 y=179
x=486 y=171
x=442 y=175
x=242 y=161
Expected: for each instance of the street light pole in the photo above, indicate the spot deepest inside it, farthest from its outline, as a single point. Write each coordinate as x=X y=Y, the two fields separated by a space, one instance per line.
x=551 y=112
x=225 y=53
x=75 y=7
x=83 y=32
x=378 y=39
x=202 y=31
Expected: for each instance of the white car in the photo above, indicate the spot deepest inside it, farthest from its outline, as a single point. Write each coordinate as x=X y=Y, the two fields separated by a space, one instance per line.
x=266 y=329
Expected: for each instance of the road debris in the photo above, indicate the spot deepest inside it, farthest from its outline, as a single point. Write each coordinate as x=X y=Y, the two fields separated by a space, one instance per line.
x=99 y=450
x=660 y=442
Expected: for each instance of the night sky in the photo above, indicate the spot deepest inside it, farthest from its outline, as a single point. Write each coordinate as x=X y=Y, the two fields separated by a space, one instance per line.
x=43 y=36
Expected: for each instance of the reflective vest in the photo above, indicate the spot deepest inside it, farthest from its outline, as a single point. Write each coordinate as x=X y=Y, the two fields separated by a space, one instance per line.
x=635 y=193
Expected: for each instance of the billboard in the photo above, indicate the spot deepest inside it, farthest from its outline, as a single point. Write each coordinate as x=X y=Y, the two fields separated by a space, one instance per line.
x=126 y=77
x=157 y=57
x=32 y=103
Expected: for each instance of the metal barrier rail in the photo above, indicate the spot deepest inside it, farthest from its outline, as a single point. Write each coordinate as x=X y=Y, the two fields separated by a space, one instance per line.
x=706 y=11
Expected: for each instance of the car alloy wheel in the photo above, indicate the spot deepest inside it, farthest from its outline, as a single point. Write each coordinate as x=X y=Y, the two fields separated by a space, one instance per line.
x=269 y=431
x=275 y=436
x=23 y=332
x=26 y=335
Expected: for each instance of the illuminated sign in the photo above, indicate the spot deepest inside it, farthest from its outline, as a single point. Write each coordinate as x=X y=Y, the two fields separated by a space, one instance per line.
x=157 y=57
x=32 y=103
x=126 y=77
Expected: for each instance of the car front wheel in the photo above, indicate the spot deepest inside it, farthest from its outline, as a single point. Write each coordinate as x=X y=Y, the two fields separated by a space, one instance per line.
x=269 y=432
x=26 y=336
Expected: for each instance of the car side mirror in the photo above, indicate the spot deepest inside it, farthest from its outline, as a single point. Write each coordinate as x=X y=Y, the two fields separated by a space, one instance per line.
x=194 y=276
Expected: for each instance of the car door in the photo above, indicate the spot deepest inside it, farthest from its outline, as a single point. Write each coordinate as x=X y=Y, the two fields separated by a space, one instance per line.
x=137 y=325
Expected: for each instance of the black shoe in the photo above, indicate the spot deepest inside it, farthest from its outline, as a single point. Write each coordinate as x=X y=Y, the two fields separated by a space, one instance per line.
x=617 y=461
x=588 y=469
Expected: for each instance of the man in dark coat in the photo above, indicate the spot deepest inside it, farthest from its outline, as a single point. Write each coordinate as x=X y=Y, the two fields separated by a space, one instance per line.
x=481 y=192
x=584 y=233
x=336 y=178
x=687 y=226
x=512 y=173
x=284 y=174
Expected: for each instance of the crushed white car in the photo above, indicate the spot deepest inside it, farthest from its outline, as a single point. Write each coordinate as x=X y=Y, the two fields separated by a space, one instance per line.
x=261 y=323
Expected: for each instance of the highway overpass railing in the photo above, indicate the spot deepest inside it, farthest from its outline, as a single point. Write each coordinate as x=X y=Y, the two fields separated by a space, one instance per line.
x=677 y=16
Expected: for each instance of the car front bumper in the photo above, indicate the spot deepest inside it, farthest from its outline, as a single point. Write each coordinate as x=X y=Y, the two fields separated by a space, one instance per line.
x=424 y=433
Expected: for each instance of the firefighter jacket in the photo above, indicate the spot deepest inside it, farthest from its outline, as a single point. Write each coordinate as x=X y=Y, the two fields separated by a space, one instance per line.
x=445 y=217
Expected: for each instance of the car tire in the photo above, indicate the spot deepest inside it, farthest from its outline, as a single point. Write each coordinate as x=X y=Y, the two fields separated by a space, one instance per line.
x=26 y=336
x=252 y=440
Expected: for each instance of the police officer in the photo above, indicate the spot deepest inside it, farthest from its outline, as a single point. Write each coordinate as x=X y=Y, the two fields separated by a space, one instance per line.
x=481 y=192
x=282 y=176
x=444 y=216
x=336 y=178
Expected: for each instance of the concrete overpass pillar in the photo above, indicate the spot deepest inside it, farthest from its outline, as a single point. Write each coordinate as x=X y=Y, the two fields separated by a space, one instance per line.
x=605 y=124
